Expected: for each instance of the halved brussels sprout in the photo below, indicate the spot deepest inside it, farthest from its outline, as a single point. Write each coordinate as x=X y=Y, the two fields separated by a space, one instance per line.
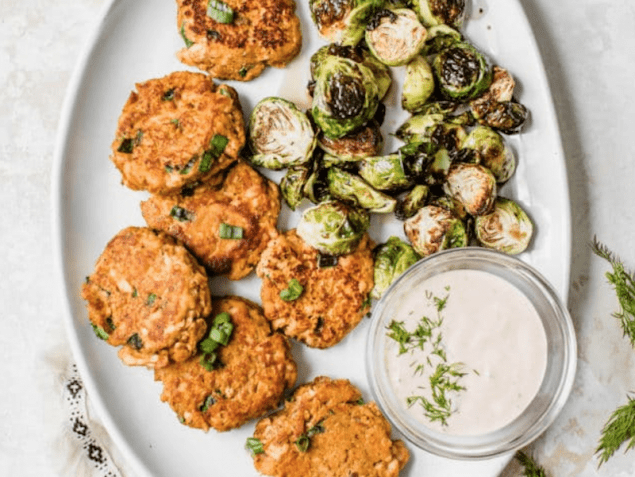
x=507 y=229
x=345 y=96
x=418 y=84
x=419 y=128
x=462 y=72
x=316 y=188
x=497 y=108
x=436 y=12
x=293 y=184
x=493 y=152
x=364 y=142
x=433 y=229
x=386 y=173
x=343 y=21
x=440 y=37
x=280 y=135
x=414 y=200
x=451 y=204
x=391 y=259
x=333 y=227
x=353 y=189
x=395 y=36
x=472 y=185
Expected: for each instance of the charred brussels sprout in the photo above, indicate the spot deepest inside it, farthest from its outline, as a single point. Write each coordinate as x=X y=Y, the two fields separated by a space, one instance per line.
x=418 y=84
x=419 y=128
x=280 y=135
x=395 y=36
x=436 y=12
x=507 y=229
x=433 y=229
x=493 y=152
x=293 y=184
x=439 y=38
x=345 y=96
x=343 y=21
x=462 y=72
x=472 y=185
x=333 y=227
x=391 y=259
x=386 y=173
x=354 y=190
x=364 y=142
x=414 y=200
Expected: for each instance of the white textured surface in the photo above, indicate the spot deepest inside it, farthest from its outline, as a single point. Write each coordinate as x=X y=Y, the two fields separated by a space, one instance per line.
x=587 y=48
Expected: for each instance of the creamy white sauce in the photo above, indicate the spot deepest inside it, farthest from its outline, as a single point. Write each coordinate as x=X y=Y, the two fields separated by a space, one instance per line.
x=490 y=331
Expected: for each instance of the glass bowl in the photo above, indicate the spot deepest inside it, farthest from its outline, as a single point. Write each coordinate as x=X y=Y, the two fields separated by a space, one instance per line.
x=560 y=365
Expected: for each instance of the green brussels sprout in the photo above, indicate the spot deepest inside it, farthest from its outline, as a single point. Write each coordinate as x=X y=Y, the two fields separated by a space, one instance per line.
x=497 y=108
x=418 y=84
x=343 y=21
x=493 y=152
x=316 y=188
x=395 y=36
x=280 y=135
x=433 y=229
x=440 y=37
x=293 y=184
x=391 y=259
x=414 y=200
x=345 y=96
x=419 y=128
x=507 y=229
x=462 y=72
x=354 y=190
x=436 y=12
x=472 y=185
x=451 y=204
x=385 y=173
x=333 y=227
x=364 y=142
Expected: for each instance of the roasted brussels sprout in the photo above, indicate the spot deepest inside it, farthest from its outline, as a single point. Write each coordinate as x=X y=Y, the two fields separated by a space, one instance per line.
x=462 y=72
x=440 y=37
x=493 y=152
x=507 y=229
x=497 y=108
x=280 y=135
x=343 y=21
x=316 y=188
x=472 y=185
x=418 y=84
x=293 y=184
x=391 y=259
x=414 y=200
x=345 y=96
x=364 y=142
x=333 y=227
x=433 y=229
x=395 y=36
x=436 y=12
x=385 y=173
x=419 y=128
x=353 y=189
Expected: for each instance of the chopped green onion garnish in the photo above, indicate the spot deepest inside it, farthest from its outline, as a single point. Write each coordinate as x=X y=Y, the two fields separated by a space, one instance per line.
x=206 y=162
x=303 y=443
x=100 y=332
x=110 y=323
x=220 y=11
x=189 y=165
x=126 y=146
x=209 y=401
x=209 y=361
x=151 y=299
x=225 y=92
x=254 y=445
x=243 y=71
x=187 y=41
x=317 y=429
x=135 y=342
x=293 y=291
x=168 y=95
x=219 y=335
x=326 y=261
x=227 y=231
x=181 y=214
x=218 y=144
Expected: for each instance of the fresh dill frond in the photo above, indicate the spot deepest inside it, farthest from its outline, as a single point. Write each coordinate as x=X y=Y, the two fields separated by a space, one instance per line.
x=624 y=286
x=531 y=468
x=619 y=428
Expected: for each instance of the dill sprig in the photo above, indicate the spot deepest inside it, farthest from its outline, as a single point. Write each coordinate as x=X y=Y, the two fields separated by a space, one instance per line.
x=624 y=286
x=619 y=428
x=531 y=468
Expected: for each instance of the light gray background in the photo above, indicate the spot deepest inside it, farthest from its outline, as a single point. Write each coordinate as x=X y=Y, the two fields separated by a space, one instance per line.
x=587 y=47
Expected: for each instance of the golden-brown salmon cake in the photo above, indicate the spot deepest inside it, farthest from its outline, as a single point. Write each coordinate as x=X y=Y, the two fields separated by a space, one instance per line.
x=259 y=33
x=226 y=222
x=325 y=429
x=149 y=295
x=177 y=130
x=333 y=299
x=248 y=377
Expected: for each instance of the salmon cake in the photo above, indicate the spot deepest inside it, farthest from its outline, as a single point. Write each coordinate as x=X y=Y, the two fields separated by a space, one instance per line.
x=241 y=377
x=225 y=222
x=314 y=299
x=150 y=296
x=326 y=429
x=176 y=130
x=237 y=39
